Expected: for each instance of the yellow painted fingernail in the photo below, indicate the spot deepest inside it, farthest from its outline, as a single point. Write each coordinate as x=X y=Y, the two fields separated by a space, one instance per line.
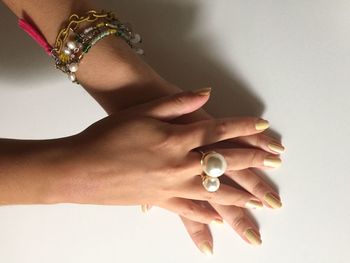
x=276 y=147
x=252 y=237
x=145 y=208
x=261 y=125
x=272 y=161
x=217 y=222
x=253 y=204
x=203 y=91
x=272 y=200
x=206 y=248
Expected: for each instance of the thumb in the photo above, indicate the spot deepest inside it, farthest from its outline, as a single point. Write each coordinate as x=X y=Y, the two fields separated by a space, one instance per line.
x=171 y=107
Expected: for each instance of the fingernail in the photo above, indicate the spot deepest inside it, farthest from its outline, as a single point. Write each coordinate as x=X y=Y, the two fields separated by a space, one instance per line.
x=252 y=236
x=206 y=248
x=145 y=208
x=202 y=91
x=276 y=147
x=272 y=200
x=217 y=222
x=253 y=204
x=261 y=125
x=272 y=161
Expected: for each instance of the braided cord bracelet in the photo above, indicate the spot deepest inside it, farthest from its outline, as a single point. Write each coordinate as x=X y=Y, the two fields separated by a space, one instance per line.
x=74 y=41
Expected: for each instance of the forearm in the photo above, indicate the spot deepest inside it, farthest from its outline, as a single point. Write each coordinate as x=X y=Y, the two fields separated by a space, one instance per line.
x=33 y=171
x=111 y=72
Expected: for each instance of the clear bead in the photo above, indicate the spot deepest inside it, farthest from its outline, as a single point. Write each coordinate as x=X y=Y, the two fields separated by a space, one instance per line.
x=72 y=77
x=136 y=39
x=139 y=51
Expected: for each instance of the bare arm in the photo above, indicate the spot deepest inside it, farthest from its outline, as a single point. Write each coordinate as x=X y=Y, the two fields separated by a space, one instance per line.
x=31 y=171
x=117 y=78
x=111 y=72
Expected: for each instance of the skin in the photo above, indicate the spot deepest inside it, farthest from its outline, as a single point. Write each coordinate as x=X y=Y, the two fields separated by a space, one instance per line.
x=135 y=83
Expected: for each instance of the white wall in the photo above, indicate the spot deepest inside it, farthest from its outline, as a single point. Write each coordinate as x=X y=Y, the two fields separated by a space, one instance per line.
x=287 y=61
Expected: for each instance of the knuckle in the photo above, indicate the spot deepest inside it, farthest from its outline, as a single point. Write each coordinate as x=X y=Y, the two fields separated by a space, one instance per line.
x=253 y=157
x=167 y=138
x=211 y=196
x=258 y=140
x=189 y=210
x=178 y=100
x=173 y=169
x=221 y=127
x=198 y=233
x=258 y=187
x=238 y=220
x=173 y=138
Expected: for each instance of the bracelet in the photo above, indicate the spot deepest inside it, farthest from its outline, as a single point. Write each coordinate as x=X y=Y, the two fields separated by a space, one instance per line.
x=73 y=41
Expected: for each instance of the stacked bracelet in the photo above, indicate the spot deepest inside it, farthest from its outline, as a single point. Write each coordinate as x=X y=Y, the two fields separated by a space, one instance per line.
x=74 y=41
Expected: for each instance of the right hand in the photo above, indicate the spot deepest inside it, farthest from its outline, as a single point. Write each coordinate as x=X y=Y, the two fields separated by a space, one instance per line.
x=139 y=157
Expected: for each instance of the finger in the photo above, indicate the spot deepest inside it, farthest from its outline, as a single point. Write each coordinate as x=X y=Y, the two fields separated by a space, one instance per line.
x=200 y=234
x=171 y=107
x=211 y=131
x=226 y=195
x=191 y=210
x=240 y=222
x=145 y=208
x=257 y=186
x=263 y=142
x=237 y=159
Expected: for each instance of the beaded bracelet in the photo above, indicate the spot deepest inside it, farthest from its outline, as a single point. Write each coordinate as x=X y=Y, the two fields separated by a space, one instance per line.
x=73 y=41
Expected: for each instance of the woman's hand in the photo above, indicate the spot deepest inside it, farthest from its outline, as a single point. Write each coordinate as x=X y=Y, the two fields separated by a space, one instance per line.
x=114 y=92
x=136 y=157
x=236 y=217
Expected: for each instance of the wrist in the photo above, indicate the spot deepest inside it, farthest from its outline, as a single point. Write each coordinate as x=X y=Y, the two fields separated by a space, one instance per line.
x=68 y=178
x=56 y=158
x=112 y=64
x=32 y=170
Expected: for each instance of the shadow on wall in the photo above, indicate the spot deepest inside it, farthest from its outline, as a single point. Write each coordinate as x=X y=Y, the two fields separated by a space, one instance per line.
x=182 y=57
x=21 y=58
x=170 y=46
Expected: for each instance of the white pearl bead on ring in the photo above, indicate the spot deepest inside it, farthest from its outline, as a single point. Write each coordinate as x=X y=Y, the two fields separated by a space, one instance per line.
x=213 y=165
x=211 y=184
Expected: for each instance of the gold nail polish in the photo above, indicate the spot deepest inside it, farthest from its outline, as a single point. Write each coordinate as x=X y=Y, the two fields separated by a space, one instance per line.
x=145 y=208
x=252 y=236
x=253 y=204
x=276 y=147
x=203 y=91
x=261 y=125
x=217 y=222
x=272 y=200
x=272 y=161
x=206 y=248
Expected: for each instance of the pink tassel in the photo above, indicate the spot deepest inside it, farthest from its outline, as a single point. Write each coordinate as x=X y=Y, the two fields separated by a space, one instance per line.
x=35 y=34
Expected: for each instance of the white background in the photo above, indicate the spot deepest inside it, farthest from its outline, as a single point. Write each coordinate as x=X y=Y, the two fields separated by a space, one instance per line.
x=287 y=61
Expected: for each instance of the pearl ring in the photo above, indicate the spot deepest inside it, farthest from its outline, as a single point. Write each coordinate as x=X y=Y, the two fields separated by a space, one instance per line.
x=213 y=165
